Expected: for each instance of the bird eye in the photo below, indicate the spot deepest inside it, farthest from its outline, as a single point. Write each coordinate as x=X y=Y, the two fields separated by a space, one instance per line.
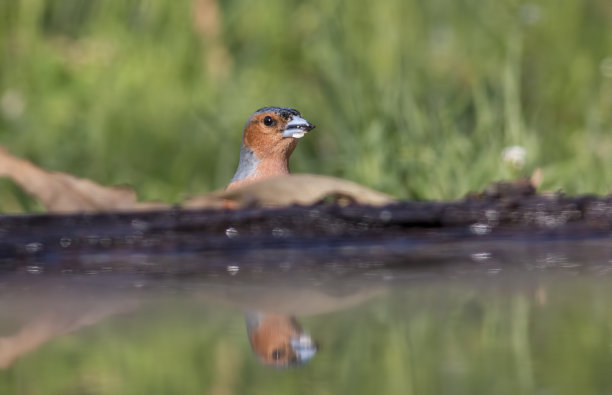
x=278 y=354
x=268 y=121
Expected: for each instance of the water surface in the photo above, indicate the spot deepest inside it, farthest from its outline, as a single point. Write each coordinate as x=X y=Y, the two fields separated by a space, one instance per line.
x=481 y=322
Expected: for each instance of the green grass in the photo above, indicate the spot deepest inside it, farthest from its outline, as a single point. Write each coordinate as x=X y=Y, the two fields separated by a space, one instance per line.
x=415 y=98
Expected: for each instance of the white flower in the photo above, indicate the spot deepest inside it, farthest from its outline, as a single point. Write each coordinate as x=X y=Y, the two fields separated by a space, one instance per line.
x=514 y=156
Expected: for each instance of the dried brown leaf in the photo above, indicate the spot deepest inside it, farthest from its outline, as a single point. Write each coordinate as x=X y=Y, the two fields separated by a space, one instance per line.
x=61 y=192
x=304 y=189
x=64 y=193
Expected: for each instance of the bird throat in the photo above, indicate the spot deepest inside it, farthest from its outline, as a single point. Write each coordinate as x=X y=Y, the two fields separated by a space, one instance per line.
x=247 y=166
x=252 y=168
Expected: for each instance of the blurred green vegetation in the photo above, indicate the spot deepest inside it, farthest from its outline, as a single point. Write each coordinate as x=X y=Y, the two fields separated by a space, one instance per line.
x=415 y=98
x=446 y=337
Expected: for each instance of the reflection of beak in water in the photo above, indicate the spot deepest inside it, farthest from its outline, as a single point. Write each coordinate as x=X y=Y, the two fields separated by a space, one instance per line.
x=278 y=340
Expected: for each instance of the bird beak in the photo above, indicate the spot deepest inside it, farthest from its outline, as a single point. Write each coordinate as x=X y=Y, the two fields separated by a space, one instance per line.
x=304 y=347
x=297 y=127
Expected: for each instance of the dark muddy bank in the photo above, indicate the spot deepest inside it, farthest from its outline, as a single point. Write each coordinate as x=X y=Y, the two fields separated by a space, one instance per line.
x=505 y=219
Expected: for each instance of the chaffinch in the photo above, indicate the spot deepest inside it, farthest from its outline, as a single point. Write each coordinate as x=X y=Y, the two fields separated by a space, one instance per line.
x=270 y=136
x=278 y=340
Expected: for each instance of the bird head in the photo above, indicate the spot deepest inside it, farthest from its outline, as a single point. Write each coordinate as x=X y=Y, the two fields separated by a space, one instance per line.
x=270 y=136
x=274 y=131
x=278 y=340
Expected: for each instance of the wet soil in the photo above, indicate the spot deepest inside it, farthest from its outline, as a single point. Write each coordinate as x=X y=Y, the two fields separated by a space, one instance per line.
x=493 y=220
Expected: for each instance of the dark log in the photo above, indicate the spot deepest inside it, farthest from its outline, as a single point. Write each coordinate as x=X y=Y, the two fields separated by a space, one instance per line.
x=498 y=218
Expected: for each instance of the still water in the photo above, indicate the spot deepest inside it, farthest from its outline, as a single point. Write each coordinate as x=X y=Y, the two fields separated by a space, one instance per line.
x=540 y=323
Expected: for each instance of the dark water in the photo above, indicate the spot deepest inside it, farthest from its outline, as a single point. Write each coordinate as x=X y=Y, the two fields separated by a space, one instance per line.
x=501 y=317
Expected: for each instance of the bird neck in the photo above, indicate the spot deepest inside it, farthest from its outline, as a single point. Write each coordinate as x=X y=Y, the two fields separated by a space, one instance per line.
x=247 y=165
x=251 y=167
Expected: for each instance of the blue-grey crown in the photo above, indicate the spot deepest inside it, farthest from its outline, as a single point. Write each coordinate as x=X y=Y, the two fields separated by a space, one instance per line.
x=285 y=112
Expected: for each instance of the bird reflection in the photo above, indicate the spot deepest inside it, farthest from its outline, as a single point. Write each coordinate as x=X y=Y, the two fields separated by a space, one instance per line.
x=63 y=305
x=278 y=340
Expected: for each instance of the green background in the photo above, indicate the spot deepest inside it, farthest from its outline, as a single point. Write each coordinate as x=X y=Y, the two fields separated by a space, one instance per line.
x=414 y=98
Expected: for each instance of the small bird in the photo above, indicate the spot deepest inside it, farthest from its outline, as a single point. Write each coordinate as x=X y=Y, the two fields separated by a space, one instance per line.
x=278 y=340
x=270 y=136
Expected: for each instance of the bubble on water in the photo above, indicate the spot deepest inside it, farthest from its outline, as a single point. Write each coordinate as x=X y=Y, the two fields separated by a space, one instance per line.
x=65 y=242
x=34 y=269
x=33 y=248
x=231 y=233
x=481 y=256
x=480 y=229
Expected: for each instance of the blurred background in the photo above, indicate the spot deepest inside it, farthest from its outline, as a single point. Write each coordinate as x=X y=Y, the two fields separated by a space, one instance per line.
x=420 y=99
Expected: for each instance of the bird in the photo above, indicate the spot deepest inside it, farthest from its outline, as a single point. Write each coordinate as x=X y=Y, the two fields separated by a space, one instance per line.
x=278 y=340
x=269 y=138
